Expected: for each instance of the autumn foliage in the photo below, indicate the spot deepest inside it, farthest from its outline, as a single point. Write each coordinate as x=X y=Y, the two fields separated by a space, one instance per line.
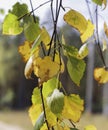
x=52 y=108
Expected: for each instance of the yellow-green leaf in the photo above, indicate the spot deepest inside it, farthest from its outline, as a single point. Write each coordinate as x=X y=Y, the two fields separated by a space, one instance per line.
x=31 y=31
x=36 y=98
x=90 y=127
x=50 y=85
x=76 y=68
x=88 y=32
x=73 y=107
x=11 y=25
x=101 y=75
x=76 y=20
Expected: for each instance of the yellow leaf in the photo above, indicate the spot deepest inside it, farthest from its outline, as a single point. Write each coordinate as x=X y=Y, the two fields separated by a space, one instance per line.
x=88 y=32
x=76 y=20
x=101 y=75
x=34 y=112
x=45 y=68
x=28 y=68
x=24 y=50
x=73 y=107
x=90 y=127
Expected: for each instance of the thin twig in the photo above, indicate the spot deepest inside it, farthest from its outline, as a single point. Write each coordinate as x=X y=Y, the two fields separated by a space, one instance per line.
x=33 y=11
x=43 y=105
x=29 y=13
x=98 y=41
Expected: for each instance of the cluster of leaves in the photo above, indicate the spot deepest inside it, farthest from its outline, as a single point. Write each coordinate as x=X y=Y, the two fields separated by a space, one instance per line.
x=52 y=108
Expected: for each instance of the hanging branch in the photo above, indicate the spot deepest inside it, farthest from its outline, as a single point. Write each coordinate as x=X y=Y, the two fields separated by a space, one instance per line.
x=43 y=105
x=97 y=41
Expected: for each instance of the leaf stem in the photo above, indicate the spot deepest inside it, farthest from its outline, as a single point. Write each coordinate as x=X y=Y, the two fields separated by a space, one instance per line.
x=43 y=105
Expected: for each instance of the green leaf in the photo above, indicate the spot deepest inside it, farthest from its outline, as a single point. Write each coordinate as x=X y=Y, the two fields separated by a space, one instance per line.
x=31 y=31
x=50 y=85
x=19 y=9
x=11 y=25
x=36 y=98
x=56 y=101
x=76 y=20
x=99 y=2
x=70 y=50
x=76 y=68
x=39 y=122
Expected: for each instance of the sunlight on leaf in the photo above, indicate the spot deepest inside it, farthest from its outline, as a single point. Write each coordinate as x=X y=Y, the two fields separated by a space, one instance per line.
x=34 y=112
x=101 y=75
x=73 y=107
x=11 y=25
x=45 y=68
x=88 y=32
x=76 y=20
x=90 y=127
x=76 y=68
